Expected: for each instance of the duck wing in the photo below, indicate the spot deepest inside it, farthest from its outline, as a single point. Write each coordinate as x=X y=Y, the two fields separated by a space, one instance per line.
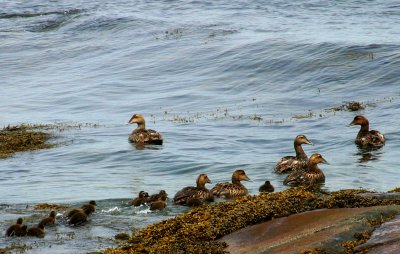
x=295 y=178
x=183 y=195
x=146 y=137
x=289 y=163
x=376 y=138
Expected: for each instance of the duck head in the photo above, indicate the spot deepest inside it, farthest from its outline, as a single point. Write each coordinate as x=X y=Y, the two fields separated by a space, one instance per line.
x=19 y=221
x=202 y=180
x=143 y=194
x=317 y=158
x=302 y=139
x=53 y=214
x=359 y=120
x=239 y=175
x=137 y=118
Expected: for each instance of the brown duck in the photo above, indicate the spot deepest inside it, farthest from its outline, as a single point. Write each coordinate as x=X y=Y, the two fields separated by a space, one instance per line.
x=141 y=135
x=365 y=137
x=234 y=189
x=79 y=217
x=159 y=204
x=36 y=231
x=87 y=209
x=15 y=228
x=312 y=175
x=193 y=196
x=155 y=197
x=290 y=163
x=266 y=187
x=51 y=219
x=142 y=199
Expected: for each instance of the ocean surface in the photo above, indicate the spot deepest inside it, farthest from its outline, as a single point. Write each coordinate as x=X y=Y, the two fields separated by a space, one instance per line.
x=229 y=84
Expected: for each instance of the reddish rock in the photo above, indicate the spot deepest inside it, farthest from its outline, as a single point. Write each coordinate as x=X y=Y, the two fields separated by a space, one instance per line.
x=324 y=229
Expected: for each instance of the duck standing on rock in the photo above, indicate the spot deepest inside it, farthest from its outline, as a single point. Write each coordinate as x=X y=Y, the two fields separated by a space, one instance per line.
x=365 y=137
x=51 y=219
x=141 y=135
x=312 y=175
x=266 y=187
x=142 y=199
x=291 y=163
x=234 y=189
x=193 y=196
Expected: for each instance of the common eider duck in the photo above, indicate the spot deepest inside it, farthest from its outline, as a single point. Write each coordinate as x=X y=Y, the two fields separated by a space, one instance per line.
x=13 y=229
x=141 y=199
x=291 y=163
x=141 y=135
x=311 y=175
x=365 y=137
x=36 y=231
x=194 y=196
x=234 y=189
x=51 y=219
x=159 y=204
x=266 y=187
x=158 y=196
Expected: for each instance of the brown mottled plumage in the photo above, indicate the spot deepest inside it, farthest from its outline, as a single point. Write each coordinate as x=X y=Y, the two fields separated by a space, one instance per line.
x=159 y=204
x=142 y=199
x=234 y=189
x=13 y=229
x=141 y=135
x=312 y=175
x=36 y=231
x=365 y=137
x=266 y=187
x=51 y=219
x=194 y=196
x=291 y=163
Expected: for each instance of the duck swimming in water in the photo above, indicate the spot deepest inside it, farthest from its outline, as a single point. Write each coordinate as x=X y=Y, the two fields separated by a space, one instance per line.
x=365 y=137
x=234 y=189
x=13 y=229
x=36 y=231
x=291 y=163
x=266 y=187
x=142 y=199
x=161 y=194
x=87 y=209
x=51 y=219
x=312 y=175
x=193 y=196
x=141 y=135
x=159 y=204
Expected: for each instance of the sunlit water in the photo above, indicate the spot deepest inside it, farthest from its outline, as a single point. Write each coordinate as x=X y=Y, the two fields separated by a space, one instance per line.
x=229 y=84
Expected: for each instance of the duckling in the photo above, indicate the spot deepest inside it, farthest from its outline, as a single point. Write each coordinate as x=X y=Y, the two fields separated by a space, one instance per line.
x=365 y=137
x=193 y=196
x=266 y=187
x=311 y=175
x=21 y=231
x=140 y=200
x=141 y=135
x=234 y=189
x=36 y=231
x=291 y=163
x=159 y=204
x=51 y=219
x=79 y=217
x=157 y=196
x=87 y=208
x=13 y=229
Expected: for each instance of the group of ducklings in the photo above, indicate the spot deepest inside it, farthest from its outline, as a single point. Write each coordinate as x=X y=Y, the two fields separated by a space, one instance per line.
x=75 y=216
x=302 y=170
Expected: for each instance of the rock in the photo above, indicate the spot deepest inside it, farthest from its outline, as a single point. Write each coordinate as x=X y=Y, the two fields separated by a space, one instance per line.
x=384 y=195
x=384 y=239
x=324 y=229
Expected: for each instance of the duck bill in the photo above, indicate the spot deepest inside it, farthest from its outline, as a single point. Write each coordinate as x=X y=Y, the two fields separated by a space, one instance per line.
x=248 y=179
x=324 y=161
x=309 y=143
x=351 y=124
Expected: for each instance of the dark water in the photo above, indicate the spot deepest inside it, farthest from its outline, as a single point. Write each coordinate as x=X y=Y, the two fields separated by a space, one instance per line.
x=228 y=83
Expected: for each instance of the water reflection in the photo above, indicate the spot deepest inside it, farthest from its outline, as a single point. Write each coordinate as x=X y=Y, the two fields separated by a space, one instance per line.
x=366 y=154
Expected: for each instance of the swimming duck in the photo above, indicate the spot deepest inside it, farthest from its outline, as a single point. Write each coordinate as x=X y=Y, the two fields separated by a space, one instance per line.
x=51 y=219
x=87 y=209
x=140 y=200
x=141 y=135
x=36 y=231
x=365 y=137
x=159 y=204
x=193 y=196
x=234 y=189
x=90 y=207
x=266 y=187
x=79 y=217
x=311 y=175
x=157 y=196
x=13 y=229
x=291 y=163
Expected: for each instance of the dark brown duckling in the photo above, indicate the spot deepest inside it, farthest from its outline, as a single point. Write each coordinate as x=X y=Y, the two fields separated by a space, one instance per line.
x=157 y=196
x=51 y=219
x=365 y=137
x=36 y=231
x=194 y=196
x=312 y=175
x=159 y=204
x=79 y=217
x=22 y=231
x=141 y=135
x=234 y=189
x=142 y=199
x=290 y=163
x=266 y=187
x=12 y=230
x=90 y=207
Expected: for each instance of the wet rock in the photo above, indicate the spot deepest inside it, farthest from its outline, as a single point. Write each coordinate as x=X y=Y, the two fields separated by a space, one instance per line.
x=384 y=239
x=387 y=196
x=323 y=229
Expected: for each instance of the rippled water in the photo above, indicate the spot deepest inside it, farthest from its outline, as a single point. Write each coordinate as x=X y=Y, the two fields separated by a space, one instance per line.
x=228 y=83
